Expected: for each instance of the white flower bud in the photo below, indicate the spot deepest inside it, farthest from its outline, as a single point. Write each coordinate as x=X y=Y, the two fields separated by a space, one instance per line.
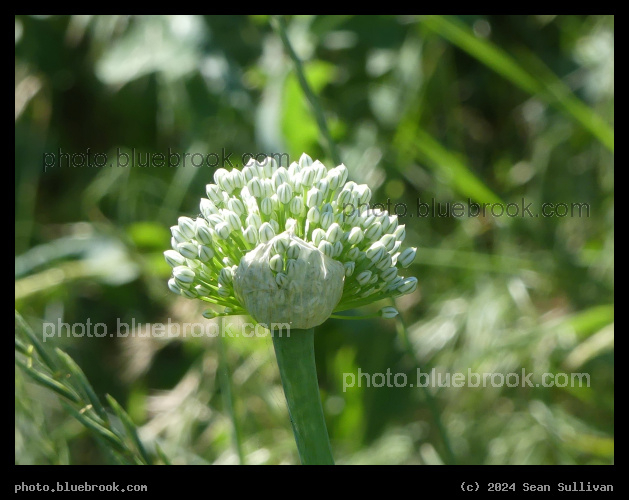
x=394 y=284
x=342 y=170
x=291 y=225
x=207 y=207
x=225 y=276
x=174 y=258
x=363 y=193
x=338 y=249
x=351 y=218
x=317 y=236
x=344 y=200
x=334 y=233
x=249 y=172
x=314 y=215
x=294 y=168
x=280 y=244
x=380 y=215
x=222 y=230
x=296 y=206
x=172 y=284
x=250 y=202
x=320 y=170
x=187 y=227
x=323 y=186
x=375 y=252
x=334 y=179
x=285 y=193
x=355 y=236
x=232 y=220
x=363 y=278
x=205 y=253
x=250 y=234
x=349 y=268
x=265 y=232
x=385 y=262
x=203 y=291
x=409 y=285
x=392 y=224
x=214 y=193
x=188 y=250
x=256 y=187
x=407 y=257
x=400 y=233
x=176 y=232
x=237 y=206
x=307 y=177
x=266 y=206
x=280 y=177
x=293 y=251
x=373 y=232
x=268 y=188
x=270 y=166
x=389 y=274
x=368 y=219
x=305 y=160
x=388 y=240
x=314 y=197
x=203 y=232
x=275 y=225
x=369 y=292
x=214 y=220
x=326 y=248
x=354 y=253
x=326 y=219
x=223 y=291
x=189 y=294
x=253 y=220
x=219 y=174
x=238 y=178
x=276 y=203
x=339 y=218
x=388 y=312
x=183 y=275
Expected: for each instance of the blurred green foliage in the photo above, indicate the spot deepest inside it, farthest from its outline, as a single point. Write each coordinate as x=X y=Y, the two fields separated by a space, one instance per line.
x=490 y=108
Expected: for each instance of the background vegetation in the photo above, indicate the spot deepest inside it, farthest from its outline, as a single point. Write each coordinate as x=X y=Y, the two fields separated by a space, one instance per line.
x=490 y=108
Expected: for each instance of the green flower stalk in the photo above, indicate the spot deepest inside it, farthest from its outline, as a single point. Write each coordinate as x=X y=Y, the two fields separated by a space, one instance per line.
x=290 y=246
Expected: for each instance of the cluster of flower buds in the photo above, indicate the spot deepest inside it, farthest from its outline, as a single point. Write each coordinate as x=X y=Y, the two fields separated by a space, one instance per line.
x=281 y=210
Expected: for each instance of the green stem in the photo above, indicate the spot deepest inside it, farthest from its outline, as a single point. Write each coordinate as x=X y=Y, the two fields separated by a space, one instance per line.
x=296 y=361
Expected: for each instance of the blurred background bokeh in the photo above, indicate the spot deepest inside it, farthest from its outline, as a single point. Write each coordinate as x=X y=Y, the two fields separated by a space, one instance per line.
x=487 y=108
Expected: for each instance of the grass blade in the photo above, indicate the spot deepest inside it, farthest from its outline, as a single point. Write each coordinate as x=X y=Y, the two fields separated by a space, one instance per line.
x=546 y=84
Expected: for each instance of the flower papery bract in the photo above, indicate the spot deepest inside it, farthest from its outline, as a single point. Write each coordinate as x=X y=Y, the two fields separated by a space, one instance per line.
x=288 y=245
x=302 y=295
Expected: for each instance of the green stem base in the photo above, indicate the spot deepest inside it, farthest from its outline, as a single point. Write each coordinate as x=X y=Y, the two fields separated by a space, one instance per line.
x=296 y=361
